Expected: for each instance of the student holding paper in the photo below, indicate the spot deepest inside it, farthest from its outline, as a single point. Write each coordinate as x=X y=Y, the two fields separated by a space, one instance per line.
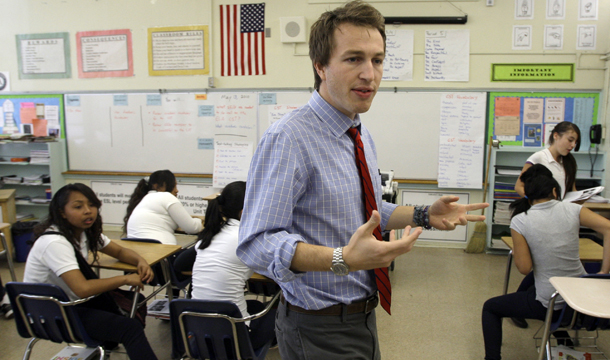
x=564 y=138
x=545 y=235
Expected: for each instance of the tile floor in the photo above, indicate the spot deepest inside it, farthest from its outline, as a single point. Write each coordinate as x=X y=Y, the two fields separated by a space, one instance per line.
x=437 y=300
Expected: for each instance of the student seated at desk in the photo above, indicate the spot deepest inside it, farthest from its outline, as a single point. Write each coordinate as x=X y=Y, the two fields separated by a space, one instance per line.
x=545 y=236
x=218 y=274
x=154 y=212
x=58 y=256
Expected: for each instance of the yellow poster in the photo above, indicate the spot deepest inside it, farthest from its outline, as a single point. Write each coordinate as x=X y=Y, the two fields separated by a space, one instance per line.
x=178 y=50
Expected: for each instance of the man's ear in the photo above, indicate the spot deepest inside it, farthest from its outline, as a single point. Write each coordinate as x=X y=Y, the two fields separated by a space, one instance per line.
x=321 y=70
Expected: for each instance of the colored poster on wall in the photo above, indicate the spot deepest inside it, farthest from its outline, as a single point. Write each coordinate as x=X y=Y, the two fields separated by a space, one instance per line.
x=106 y=53
x=38 y=115
x=539 y=113
x=178 y=50
x=44 y=56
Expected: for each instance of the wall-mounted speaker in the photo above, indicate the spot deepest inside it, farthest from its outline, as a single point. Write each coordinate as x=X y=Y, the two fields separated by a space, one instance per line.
x=293 y=29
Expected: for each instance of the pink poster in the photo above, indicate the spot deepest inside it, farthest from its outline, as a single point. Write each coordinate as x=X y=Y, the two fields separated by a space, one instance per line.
x=106 y=53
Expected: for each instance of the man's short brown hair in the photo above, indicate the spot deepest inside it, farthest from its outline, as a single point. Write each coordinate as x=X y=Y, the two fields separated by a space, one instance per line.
x=321 y=39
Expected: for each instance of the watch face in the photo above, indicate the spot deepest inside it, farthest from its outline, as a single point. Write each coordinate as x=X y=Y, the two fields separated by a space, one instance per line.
x=3 y=81
x=340 y=269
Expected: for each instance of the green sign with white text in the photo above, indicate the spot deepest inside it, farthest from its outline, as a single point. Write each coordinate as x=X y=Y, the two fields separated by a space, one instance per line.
x=532 y=72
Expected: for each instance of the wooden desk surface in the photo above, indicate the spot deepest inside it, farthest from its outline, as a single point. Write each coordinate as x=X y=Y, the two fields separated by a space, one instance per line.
x=588 y=296
x=152 y=253
x=597 y=206
x=589 y=250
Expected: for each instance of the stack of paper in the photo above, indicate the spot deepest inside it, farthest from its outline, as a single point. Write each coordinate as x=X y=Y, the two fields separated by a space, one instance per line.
x=502 y=213
x=40 y=200
x=598 y=199
x=505 y=191
x=76 y=353
x=39 y=156
x=159 y=307
x=33 y=179
x=12 y=179
x=24 y=217
x=581 y=195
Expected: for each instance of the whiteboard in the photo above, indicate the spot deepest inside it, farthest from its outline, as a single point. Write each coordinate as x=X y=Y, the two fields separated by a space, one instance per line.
x=147 y=132
x=405 y=127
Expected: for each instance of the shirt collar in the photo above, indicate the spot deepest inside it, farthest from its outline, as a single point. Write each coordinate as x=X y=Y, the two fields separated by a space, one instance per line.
x=549 y=156
x=337 y=121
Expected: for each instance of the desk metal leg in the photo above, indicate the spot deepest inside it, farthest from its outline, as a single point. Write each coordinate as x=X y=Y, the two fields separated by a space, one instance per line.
x=135 y=304
x=509 y=262
x=546 y=334
x=9 y=256
x=165 y=268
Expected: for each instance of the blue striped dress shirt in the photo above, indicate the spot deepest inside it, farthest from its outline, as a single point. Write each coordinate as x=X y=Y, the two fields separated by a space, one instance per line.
x=303 y=186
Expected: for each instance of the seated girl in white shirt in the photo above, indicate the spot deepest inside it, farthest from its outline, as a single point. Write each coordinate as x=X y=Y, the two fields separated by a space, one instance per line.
x=218 y=274
x=154 y=212
x=58 y=256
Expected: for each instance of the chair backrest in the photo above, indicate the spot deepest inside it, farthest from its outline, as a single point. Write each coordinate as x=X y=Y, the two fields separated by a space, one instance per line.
x=41 y=311
x=207 y=330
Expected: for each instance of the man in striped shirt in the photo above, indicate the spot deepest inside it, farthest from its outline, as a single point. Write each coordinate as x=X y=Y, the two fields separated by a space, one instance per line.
x=304 y=211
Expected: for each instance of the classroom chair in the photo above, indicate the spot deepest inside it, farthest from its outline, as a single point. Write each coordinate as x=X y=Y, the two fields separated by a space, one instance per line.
x=570 y=319
x=160 y=272
x=44 y=311
x=213 y=330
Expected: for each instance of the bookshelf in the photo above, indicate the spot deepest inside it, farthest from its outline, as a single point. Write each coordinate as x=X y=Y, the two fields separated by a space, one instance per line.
x=505 y=167
x=32 y=170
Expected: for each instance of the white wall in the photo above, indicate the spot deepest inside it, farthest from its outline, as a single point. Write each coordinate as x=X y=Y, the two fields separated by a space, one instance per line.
x=490 y=32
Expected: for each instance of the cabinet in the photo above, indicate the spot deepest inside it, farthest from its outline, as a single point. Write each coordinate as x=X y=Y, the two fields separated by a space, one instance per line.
x=513 y=158
x=54 y=168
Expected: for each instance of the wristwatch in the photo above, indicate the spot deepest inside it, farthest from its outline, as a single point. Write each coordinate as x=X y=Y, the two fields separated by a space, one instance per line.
x=339 y=267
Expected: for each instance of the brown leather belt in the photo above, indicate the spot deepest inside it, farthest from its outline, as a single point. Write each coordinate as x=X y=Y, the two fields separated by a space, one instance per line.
x=364 y=306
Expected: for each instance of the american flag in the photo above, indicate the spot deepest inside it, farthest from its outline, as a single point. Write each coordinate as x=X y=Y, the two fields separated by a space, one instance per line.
x=242 y=39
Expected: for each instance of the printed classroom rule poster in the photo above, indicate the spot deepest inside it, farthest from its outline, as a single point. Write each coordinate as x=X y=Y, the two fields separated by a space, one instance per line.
x=104 y=53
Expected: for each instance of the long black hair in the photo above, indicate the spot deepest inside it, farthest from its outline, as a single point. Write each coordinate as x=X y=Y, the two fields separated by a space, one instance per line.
x=539 y=184
x=228 y=205
x=568 y=161
x=55 y=217
x=157 y=180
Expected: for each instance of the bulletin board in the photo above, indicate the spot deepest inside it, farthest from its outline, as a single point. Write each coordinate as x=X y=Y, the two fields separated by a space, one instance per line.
x=513 y=116
x=13 y=110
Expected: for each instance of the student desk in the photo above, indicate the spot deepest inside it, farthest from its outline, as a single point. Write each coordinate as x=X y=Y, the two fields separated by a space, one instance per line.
x=151 y=252
x=589 y=250
x=588 y=296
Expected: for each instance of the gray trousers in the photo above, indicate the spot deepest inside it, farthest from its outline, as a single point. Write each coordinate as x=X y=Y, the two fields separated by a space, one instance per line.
x=315 y=337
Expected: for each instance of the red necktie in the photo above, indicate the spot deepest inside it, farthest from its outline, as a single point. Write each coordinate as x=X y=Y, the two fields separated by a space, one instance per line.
x=381 y=275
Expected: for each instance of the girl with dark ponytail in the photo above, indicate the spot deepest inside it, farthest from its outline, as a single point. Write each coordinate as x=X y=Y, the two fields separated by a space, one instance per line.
x=545 y=237
x=154 y=211
x=218 y=274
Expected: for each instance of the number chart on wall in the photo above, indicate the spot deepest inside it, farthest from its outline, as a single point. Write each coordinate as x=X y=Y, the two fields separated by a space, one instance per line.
x=526 y=118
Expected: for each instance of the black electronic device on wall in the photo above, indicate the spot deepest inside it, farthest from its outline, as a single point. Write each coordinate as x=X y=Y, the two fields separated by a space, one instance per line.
x=595 y=134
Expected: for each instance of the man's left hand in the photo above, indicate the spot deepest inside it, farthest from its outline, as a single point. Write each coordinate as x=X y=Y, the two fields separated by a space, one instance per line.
x=446 y=213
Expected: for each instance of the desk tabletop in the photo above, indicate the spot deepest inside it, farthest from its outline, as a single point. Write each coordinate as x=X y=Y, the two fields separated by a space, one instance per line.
x=589 y=250
x=588 y=296
x=597 y=206
x=152 y=253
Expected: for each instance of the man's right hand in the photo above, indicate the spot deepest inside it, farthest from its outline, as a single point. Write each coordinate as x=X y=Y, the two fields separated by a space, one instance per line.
x=365 y=252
